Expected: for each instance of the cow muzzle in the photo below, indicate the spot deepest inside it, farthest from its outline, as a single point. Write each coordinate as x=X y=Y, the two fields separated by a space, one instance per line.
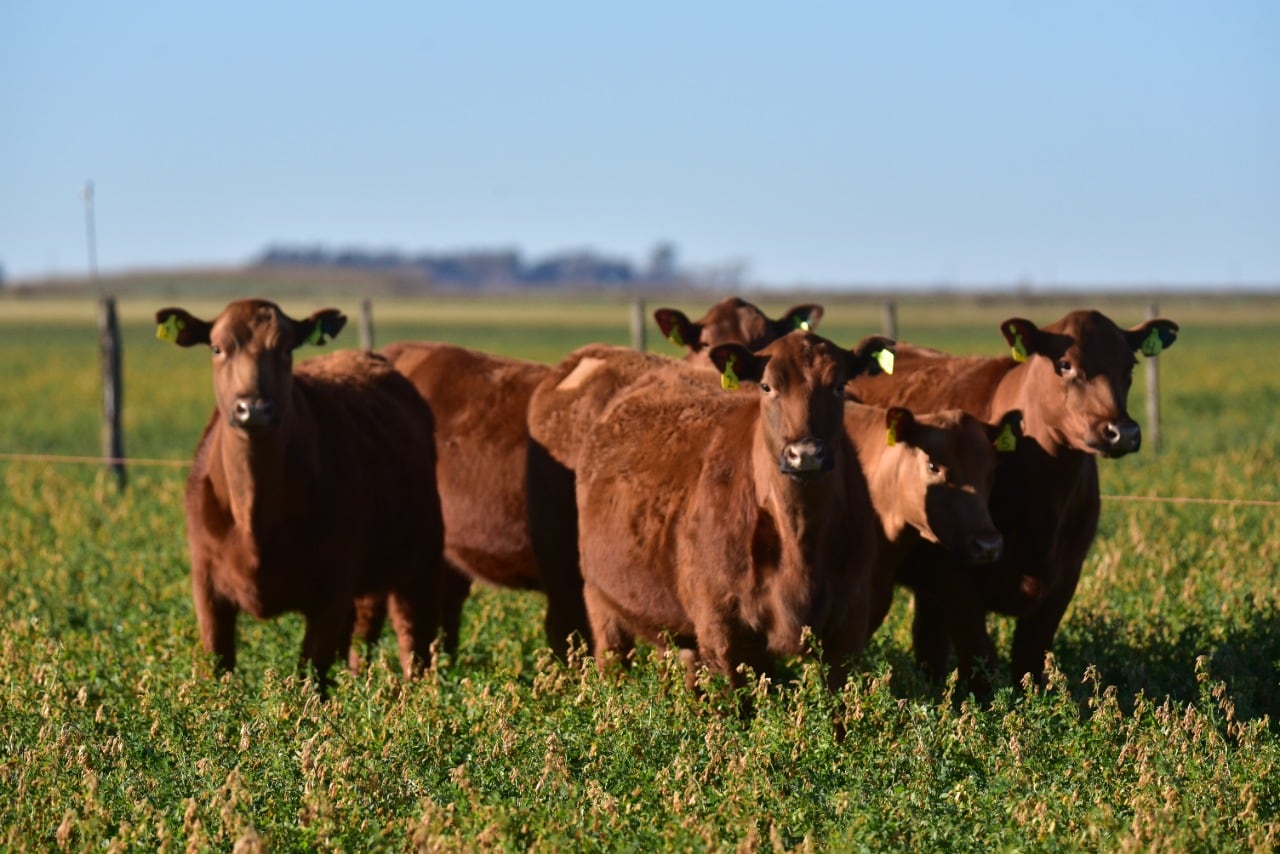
x=1121 y=437
x=253 y=412
x=806 y=458
x=984 y=548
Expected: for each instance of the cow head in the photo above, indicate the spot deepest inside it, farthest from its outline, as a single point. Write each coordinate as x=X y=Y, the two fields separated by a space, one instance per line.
x=1081 y=368
x=252 y=342
x=944 y=466
x=732 y=320
x=800 y=379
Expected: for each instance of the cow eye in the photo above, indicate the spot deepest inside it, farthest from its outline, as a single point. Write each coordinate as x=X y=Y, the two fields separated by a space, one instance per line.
x=838 y=390
x=1064 y=366
x=933 y=467
x=217 y=351
x=764 y=387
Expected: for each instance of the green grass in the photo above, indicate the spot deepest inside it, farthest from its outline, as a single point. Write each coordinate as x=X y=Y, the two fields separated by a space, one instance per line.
x=1160 y=727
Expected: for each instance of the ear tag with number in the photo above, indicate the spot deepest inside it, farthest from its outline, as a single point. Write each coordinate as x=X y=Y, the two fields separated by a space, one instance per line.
x=1006 y=441
x=892 y=438
x=1019 y=349
x=168 y=331
x=884 y=358
x=1153 y=343
x=729 y=379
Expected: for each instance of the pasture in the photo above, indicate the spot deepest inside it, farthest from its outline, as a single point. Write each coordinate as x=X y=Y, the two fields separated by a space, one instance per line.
x=1159 y=726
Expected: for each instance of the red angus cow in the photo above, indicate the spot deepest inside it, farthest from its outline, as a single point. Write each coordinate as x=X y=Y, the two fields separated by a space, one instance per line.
x=723 y=521
x=733 y=320
x=312 y=487
x=1071 y=382
x=478 y=403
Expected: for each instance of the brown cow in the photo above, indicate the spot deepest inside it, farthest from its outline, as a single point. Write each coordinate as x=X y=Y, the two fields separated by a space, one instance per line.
x=313 y=486
x=723 y=521
x=478 y=402
x=928 y=476
x=733 y=320
x=1071 y=382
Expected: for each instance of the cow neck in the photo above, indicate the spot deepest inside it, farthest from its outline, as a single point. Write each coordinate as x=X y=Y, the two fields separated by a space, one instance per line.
x=801 y=508
x=256 y=473
x=884 y=482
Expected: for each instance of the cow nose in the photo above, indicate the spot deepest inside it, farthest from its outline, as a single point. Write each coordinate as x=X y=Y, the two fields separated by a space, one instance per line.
x=1123 y=437
x=252 y=411
x=805 y=456
x=985 y=548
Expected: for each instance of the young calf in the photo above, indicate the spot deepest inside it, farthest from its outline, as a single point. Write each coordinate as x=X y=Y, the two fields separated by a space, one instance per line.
x=928 y=477
x=733 y=320
x=722 y=521
x=312 y=488
x=1071 y=382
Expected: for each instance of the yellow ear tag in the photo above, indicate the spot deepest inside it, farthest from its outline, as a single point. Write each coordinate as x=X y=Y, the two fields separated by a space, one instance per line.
x=168 y=331
x=1152 y=344
x=892 y=438
x=1006 y=441
x=884 y=358
x=675 y=337
x=728 y=379
x=1019 y=349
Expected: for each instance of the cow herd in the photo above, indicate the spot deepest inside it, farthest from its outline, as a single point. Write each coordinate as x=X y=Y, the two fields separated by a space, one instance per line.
x=770 y=488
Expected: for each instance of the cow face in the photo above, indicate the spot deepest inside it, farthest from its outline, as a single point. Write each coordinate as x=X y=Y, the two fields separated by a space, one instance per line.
x=732 y=320
x=800 y=379
x=1081 y=369
x=945 y=464
x=252 y=343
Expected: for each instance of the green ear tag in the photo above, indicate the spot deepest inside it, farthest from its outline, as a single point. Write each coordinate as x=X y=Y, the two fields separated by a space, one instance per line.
x=884 y=358
x=892 y=438
x=317 y=335
x=728 y=379
x=1152 y=344
x=168 y=331
x=1006 y=441
x=803 y=323
x=1019 y=349
x=675 y=337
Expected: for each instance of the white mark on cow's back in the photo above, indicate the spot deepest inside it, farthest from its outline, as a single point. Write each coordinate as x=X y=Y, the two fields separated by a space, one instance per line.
x=580 y=373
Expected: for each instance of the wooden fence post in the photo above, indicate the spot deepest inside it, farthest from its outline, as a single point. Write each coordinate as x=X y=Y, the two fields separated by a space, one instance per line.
x=112 y=388
x=1152 y=428
x=889 y=319
x=366 y=324
x=638 y=336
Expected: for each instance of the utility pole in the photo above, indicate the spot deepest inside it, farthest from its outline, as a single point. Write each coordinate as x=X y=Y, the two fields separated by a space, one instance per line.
x=90 y=231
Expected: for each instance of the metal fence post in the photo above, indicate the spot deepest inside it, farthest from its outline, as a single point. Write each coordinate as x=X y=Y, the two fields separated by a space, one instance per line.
x=889 y=319
x=1152 y=428
x=366 y=324
x=638 y=336
x=112 y=389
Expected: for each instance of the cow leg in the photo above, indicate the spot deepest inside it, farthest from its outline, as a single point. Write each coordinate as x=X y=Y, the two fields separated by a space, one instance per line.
x=455 y=587
x=327 y=635
x=369 y=618
x=216 y=617
x=1033 y=635
x=610 y=640
x=930 y=640
x=553 y=535
x=415 y=616
x=566 y=617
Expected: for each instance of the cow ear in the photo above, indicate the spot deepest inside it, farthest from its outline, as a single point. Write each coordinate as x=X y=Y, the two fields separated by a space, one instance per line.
x=737 y=363
x=900 y=424
x=179 y=327
x=800 y=317
x=1152 y=337
x=873 y=355
x=1004 y=434
x=678 y=329
x=1021 y=336
x=321 y=326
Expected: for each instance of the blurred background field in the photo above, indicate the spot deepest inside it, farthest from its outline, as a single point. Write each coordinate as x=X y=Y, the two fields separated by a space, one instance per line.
x=1160 y=728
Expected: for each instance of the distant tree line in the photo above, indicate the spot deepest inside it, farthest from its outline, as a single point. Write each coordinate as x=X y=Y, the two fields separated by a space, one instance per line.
x=488 y=268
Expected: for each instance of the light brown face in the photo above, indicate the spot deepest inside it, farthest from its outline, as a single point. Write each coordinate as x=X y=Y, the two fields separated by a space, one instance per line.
x=947 y=468
x=252 y=345
x=1081 y=368
x=800 y=380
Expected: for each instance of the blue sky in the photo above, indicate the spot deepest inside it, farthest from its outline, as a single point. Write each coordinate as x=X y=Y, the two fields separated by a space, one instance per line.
x=821 y=144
